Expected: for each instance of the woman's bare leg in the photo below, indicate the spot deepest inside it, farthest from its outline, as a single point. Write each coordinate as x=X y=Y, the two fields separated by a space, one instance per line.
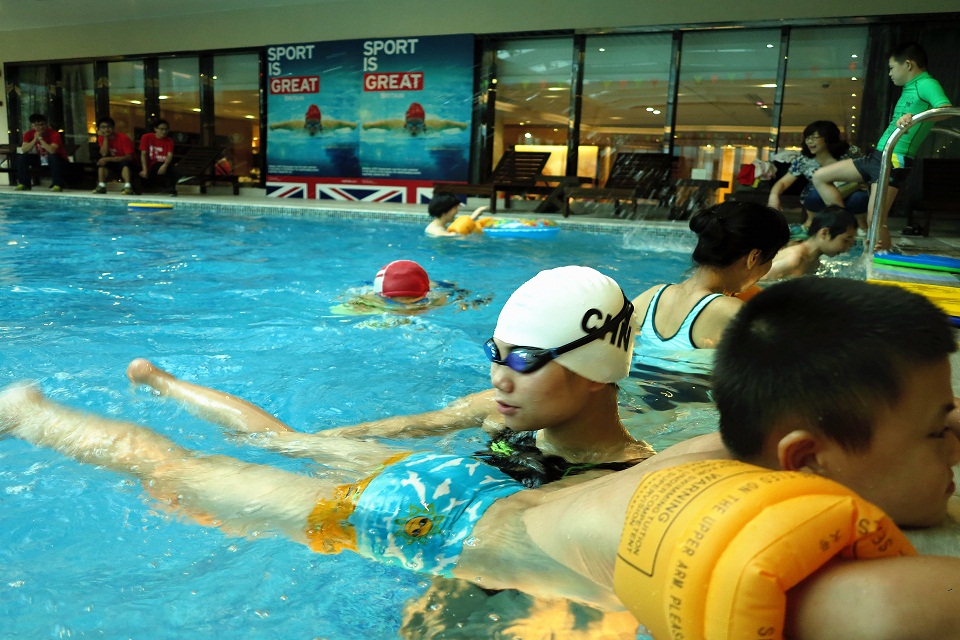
x=239 y=497
x=216 y=406
x=263 y=430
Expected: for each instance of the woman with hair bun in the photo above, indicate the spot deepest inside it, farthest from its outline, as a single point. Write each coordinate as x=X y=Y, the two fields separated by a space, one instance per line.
x=736 y=245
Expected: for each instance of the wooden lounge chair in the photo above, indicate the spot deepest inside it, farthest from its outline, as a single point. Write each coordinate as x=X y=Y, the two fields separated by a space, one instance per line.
x=197 y=167
x=517 y=173
x=8 y=161
x=633 y=177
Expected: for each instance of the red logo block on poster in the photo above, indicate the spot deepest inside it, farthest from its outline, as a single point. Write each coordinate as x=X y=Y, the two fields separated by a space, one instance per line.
x=396 y=81
x=295 y=84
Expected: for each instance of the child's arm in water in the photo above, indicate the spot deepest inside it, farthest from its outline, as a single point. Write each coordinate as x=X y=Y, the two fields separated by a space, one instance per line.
x=476 y=212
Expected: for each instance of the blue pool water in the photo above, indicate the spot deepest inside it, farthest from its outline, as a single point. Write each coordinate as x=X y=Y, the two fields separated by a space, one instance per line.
x=242 y=302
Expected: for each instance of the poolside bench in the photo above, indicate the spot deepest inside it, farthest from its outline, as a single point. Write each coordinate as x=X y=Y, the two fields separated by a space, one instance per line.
x=8 y=162
x=633 y=177
x=75 y=173
x=517 y=173
x=198 y=166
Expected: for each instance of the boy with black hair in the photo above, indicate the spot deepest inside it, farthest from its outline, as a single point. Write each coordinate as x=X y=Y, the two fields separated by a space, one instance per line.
x=908 y=69
x=116 y=156
x=156 y=156
x=832 y=232
x=443 y=210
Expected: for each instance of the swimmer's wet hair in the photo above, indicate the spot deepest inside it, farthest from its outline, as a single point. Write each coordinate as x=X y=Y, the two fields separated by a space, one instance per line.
x=441 y=203
x=728 y=231
x=835 y=219
x=829 y=352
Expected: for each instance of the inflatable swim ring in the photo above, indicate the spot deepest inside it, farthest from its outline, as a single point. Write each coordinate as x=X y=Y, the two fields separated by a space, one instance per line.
x=148 y=207
x=710 y=548
x=522 y=229
x=919 y=261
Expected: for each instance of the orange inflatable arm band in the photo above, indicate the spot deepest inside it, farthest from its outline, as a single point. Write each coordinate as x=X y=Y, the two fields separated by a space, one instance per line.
x=709 y=549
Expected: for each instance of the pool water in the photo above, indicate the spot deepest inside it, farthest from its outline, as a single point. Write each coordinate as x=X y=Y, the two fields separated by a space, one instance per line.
x=242 y=302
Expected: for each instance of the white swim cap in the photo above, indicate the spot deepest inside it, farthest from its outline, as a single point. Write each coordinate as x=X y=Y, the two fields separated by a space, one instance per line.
x=558 y=306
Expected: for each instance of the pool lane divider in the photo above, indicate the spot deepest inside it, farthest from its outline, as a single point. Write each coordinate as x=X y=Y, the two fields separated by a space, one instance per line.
x=148 y=207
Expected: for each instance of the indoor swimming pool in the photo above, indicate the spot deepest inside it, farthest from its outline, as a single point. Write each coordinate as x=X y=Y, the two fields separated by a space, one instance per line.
x=242 y=301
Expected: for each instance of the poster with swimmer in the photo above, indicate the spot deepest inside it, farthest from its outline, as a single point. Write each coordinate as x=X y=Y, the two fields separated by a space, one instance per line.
x=391 y=112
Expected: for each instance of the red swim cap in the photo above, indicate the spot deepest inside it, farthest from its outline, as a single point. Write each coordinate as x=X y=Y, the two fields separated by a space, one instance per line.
x=313 y=112
x=415 y=111
x=402 y=278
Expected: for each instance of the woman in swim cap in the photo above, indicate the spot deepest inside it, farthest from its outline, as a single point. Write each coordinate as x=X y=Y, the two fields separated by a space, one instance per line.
x=736 y=243
x=562 y=341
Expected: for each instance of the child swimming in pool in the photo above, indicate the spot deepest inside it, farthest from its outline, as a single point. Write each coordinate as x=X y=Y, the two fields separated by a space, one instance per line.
x=443 y=210
x=832 y=231
x=890 y=433
x=401 y=287
x=736 y=243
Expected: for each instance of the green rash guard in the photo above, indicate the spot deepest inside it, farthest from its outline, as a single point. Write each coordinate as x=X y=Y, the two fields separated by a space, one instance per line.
x=920 y=94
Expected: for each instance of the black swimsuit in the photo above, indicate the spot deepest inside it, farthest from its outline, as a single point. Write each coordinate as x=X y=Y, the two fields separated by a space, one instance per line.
x=516 y=454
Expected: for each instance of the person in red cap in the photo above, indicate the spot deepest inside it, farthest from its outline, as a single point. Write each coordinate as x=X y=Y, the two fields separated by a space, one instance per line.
x=400 y=288
x=415 y=122
x=402 y=281
x=313 y=123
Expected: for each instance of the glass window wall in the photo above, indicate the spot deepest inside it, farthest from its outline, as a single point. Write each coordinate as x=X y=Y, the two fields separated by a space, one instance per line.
x=126 y=97
x=533 y=100
x=727 y=87
x=180 y=98
x=236 y=94
x=625 y=83
x=824 y=81
x=34 y=93
x=79 y=109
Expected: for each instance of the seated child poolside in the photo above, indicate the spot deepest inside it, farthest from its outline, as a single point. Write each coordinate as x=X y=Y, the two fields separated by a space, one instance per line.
x=443 y=208
x=832 y=231
x=403 y=288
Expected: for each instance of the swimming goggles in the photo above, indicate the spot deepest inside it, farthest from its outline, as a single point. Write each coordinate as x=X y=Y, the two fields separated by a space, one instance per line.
x=529 y=359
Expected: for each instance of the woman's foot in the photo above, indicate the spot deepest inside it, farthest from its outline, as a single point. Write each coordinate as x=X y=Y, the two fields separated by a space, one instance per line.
x=142 y=371
x=13 y=400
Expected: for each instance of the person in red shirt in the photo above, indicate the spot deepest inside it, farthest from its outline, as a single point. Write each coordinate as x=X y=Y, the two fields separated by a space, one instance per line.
x=116 y=155
x=156 y=157
x=41 y=145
